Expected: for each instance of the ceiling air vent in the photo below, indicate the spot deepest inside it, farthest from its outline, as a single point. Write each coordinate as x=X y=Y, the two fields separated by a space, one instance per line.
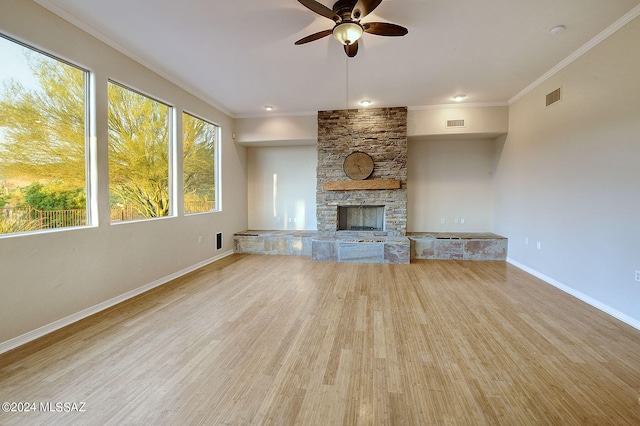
x=553 y=97
x=455 y=123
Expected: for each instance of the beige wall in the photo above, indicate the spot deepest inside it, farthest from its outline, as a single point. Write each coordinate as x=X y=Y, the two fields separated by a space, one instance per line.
x=450 y=180
x=282 y=187
x=569 y=177
x=47 y=277
x=277 y=130
x=479 y=121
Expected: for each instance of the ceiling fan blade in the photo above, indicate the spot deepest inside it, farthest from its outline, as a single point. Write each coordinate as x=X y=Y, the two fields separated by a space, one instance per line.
x=313 y=37
x=351 y=49
x=320 y=9
x=364 y=7
x=384 y=29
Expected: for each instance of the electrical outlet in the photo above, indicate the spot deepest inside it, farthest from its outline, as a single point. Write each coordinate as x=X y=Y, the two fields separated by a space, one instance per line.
x=456 y=220
x=442 y=221
x=526 y=240
x=462 y=220
x=200 y=239
x=637 y=275
x=539 y=245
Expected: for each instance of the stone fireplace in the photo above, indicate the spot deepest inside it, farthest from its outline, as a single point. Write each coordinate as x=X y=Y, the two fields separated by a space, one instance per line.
x=382 y=134
x=362 y=220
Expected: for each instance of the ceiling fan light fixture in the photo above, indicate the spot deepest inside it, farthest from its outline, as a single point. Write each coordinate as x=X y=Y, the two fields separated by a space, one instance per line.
x=347 y=32
x=365 y=103
x=459 y=98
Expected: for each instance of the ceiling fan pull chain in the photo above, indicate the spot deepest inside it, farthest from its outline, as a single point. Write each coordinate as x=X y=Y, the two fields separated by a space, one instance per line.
x=346 y=59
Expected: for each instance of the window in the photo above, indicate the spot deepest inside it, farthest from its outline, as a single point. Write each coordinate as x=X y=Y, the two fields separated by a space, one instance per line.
x=139 y=129
x=43 y=139
x=200 y=148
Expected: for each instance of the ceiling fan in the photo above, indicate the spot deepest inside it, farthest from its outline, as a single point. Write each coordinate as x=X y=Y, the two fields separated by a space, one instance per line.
x=347 y=30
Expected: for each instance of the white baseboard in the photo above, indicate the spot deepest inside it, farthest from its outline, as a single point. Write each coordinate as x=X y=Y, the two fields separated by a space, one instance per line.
x=39 y=332
x=579 y=295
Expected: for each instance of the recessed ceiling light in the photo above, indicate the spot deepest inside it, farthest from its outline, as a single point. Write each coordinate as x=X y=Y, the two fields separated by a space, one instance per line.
x=557 y=30
x=458 y=98
x=365 y=103
x=268 y=108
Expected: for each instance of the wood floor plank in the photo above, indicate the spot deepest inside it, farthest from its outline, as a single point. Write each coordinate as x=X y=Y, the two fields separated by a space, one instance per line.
x=283 y=340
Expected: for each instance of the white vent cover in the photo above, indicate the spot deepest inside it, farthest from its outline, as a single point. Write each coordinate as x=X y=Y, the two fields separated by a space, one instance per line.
x=455 y=123
x=553 y=97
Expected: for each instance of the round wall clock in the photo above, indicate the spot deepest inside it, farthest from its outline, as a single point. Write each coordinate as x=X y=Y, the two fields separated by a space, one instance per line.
x=358 y=165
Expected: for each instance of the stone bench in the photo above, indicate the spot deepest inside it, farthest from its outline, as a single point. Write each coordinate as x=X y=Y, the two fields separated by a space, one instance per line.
x=458 y=245
x=292 y=243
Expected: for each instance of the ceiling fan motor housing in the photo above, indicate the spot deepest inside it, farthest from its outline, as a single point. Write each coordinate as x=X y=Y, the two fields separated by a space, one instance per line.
x=343 y=8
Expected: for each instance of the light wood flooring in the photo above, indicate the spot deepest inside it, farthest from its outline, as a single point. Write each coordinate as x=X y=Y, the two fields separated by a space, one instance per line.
x=284 y=340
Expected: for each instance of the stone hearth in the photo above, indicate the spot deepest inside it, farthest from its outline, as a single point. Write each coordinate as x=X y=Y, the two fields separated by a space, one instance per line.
x=362 y=249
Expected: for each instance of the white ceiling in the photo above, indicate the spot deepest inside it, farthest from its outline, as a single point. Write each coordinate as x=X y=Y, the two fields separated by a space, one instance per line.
x=240 y=55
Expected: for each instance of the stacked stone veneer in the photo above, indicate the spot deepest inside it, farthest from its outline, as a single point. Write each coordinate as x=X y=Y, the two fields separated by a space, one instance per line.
x=381 y=133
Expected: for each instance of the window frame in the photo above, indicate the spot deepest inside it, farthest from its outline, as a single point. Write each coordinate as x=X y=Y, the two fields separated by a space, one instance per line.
x=216 y=163
x=89 y=107
x=171 y=148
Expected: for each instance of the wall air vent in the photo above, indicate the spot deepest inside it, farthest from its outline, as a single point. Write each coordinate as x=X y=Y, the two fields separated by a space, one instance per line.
x=455 y=123
x=553 y=97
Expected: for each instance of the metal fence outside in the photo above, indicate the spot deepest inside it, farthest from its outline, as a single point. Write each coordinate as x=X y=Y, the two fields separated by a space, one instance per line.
x=44 y=219
x=28 y=218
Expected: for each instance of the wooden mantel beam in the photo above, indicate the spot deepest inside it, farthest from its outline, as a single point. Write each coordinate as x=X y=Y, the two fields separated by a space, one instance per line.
x=351 y=185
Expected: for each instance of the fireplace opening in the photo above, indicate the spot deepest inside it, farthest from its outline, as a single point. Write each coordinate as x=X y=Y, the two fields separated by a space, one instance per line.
x=360 y=218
